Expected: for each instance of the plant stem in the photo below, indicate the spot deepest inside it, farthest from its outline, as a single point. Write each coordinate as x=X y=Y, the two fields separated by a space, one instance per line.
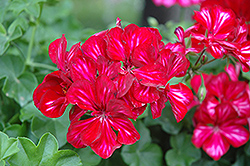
x=41 y=65
x=209 y=61
x=31 y=43
x=200 y=57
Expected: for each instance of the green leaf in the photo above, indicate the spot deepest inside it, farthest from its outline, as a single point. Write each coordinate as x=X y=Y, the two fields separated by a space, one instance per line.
x=142 y=153
x=19 y=21
x=183 y=153
x=16 y=130
x=20 y=88
x=3 y=9
x=44 y=154
x=2 y=29
x=167 y=121
x=17 y=85
x=246 y=75
x=29 y=111
x=30 y=6
x=8 y=146
x=88 y=157
x=205 y=162
x=57 y=126
x=247 y=148
x=5 y=39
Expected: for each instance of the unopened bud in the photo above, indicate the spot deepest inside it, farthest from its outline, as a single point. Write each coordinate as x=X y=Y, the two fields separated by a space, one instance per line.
x=203 y=59
x=153 y=22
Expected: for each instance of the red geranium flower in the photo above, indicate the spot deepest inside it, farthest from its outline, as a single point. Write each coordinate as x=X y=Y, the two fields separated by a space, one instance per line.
x=50 y=96
x=216 y=133
x=240 y=7
x=219 y=120
x=109 y=114
x=213 y=28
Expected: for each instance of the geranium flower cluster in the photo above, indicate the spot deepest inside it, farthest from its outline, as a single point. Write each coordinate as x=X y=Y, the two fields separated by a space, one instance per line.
x=182 y=3
x=222 y=31
x=110 y=79
x=221 y=118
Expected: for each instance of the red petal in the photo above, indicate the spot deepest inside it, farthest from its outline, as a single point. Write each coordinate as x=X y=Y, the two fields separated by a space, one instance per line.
x=180 y=96
x=236 y=135
x=144 y=54
x=108 y=68
x=124 y=83
x=145 y=94
x=57 y=50
x=105 y=90
x=217 y=85
x=223 y=22
x=233 y=72
x=201 y=134
x=157 y=106
x=176 y=64
x=204 y=17
x=118 y=107
x=107 y=143
x=94 y=47
x=82 y=93
x=216 y=50
x=151 y=75
x=88 y=131
x=76 y=113
x=115 y=48
x=179 y=32
x=216 y=146
x=83 y=68
x=127 y=133
x=52 y=104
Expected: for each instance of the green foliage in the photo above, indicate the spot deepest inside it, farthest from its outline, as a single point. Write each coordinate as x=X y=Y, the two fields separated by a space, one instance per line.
x=167 y=121
x=45 y=153
x=142 y=153
x=183 y=153
x=8 y=147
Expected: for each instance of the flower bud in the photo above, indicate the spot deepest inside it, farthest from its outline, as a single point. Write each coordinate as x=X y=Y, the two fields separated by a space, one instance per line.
x=203 y=59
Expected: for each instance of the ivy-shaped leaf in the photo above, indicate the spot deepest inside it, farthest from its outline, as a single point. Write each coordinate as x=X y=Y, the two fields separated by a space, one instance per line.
x=142 y=153
x=17 y=85
x=29 y=111
x=183 y=153
x=167 y=121
x=88 y=157
x=29 y=6
x=8 y=147
x=57 y=126
x=5 y=39
x=44 y=154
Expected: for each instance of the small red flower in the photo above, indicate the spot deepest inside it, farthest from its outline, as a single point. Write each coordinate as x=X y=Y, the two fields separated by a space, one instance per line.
x=109 y=114
x=50 y=96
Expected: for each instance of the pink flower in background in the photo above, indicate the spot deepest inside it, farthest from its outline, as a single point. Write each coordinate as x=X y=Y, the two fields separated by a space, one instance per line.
x=216 y=133
x=220 y=119
x=182 y=3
